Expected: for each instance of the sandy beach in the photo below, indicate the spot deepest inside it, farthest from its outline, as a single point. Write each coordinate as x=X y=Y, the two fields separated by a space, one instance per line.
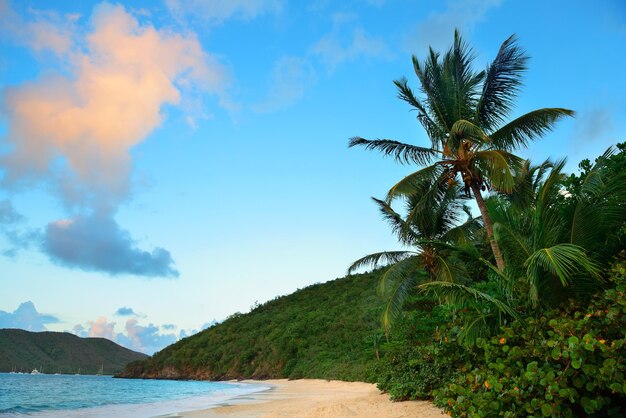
x=320 y=399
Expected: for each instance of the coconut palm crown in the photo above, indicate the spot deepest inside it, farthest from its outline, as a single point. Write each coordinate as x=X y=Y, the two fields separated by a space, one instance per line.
x=464 y=113
x=433 y=215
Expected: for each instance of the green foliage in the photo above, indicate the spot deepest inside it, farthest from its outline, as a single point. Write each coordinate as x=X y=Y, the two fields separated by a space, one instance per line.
x=552 y=252
x=568 y=362
x=520 y=325
x=61 y=351
x=434 y=212
x=322 y=331
x=413 y=372
x=463 y=112
x=416 y=360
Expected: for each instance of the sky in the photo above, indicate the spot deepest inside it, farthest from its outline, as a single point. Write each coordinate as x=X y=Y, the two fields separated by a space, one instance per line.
x=165 y=164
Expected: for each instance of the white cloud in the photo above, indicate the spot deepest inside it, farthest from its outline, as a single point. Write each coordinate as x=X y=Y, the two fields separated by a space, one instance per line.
x=217 y=11
x=348 y=42
x=290 y=79
x=438 y=29
x=26 y=317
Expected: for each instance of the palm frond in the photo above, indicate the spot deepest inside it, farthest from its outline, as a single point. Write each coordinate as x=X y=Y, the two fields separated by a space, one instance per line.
x=502 y=82
x=407 y=186
x=476 y=327
x=397 y=272
x=403 y=153
x=528 y=181
x=562 y=261
x=514 y=239
x=401 y=228
x=500 y=168
x=550 y=187
x=433 y=130
x=467 y=232
x=461 y=78
x=528 y=127
x=397 y=297
x=432 y=209
x=380 y=259
x=429 y=76
x=600 y=209
x=464 y=129
x=462 y=295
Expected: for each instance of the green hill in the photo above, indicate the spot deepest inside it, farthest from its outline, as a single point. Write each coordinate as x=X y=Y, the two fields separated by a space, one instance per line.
x=322 y=331
x=61 y=351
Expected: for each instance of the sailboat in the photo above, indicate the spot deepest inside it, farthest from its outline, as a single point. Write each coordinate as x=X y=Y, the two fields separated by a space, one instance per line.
x=78 y=372
x=100 y=371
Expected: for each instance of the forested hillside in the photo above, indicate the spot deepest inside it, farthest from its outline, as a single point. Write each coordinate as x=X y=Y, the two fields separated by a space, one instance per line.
x=61 y=352
x=323 y=331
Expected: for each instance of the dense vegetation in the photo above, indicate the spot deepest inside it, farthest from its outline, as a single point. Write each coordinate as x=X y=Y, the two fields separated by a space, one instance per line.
x=61 y=352
x=322 y=331
x=528 y=311
x=520 y=311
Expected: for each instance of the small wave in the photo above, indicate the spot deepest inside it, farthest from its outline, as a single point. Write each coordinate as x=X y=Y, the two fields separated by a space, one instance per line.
x=18 y=410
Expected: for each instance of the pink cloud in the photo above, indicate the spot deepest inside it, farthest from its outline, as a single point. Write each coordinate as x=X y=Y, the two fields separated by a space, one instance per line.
x=102 y=328
x=111 y=103
x=75 y=129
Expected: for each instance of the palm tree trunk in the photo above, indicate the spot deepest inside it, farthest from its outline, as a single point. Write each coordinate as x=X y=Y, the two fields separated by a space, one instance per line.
x=495 y=248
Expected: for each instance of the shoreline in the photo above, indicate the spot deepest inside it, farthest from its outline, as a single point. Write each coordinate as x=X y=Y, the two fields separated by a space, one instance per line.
x=315 y=398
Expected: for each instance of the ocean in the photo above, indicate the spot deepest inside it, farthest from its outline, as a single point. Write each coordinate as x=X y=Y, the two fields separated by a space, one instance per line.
x=44 y=395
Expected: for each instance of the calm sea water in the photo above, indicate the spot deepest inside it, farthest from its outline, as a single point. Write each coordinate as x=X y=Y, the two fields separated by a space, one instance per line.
x=24 y=395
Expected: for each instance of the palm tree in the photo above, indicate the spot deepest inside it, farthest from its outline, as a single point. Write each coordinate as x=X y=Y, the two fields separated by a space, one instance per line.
x=553 y=251
x=464 y=113
x=556 y=250
x=433 y=215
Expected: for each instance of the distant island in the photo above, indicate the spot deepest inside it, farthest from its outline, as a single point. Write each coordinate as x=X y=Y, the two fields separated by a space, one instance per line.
x=61 y=352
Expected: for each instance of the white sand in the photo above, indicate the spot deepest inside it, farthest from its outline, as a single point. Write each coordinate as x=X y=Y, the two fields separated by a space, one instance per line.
x=320 y=399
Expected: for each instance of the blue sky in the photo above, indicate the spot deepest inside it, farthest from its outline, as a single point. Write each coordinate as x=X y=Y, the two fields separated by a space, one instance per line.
x=165 y=164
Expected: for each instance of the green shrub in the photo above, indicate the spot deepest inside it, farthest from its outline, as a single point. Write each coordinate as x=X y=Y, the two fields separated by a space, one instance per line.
x=413 y=372
x=419 y=360
x=567 y=362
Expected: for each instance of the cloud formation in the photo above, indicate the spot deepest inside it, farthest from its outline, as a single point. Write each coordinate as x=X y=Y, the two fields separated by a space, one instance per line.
x=135 y=336
x=146 y=339
x=26 y=317
x=46 y=31
x=335 y=49
x=292 y=76
x=437 y=30
x=217 y=11
x=101 y=328
x=75 y=128
x=8 y=214
x=290 y=79
x=10 y=226
x=124 y=311
x=98 y=244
